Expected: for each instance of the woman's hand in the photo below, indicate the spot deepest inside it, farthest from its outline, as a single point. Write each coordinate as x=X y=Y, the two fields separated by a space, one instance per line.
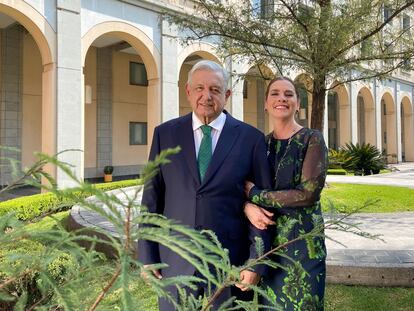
x=247 y=187
x=259 y=217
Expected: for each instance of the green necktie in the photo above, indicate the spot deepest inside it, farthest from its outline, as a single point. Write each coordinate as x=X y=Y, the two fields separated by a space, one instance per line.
x=205 y=151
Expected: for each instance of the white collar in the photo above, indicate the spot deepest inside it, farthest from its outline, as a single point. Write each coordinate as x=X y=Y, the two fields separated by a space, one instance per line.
x=217 y=123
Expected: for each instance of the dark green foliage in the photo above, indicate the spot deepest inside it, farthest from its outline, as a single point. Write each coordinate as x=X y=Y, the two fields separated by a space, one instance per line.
x=30 y=207
x=336 y=171
x=339 y=41
x=362 y=159
x=337 y=158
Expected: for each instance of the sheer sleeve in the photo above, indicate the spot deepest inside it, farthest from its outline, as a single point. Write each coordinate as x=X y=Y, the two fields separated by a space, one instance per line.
x=313 y=176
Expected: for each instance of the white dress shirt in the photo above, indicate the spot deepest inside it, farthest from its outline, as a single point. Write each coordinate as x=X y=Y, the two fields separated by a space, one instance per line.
x=217 y=127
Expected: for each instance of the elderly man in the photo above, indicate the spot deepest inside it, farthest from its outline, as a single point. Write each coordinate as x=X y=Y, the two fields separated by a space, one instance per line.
x=203 y=185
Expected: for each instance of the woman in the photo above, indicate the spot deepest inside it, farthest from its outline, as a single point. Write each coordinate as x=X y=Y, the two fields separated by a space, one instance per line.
x=298 y=157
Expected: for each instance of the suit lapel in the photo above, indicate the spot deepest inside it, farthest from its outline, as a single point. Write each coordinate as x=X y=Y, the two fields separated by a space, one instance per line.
x=225 y=143
x=186 y=141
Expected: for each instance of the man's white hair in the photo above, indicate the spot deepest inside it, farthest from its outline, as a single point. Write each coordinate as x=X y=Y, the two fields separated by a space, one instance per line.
x=211 y=66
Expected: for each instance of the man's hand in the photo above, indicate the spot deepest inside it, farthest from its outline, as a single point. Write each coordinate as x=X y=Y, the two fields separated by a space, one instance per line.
x=247 y=278
x=156 y=273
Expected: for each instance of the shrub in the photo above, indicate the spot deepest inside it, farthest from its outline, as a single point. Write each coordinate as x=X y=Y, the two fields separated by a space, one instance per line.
x=337 y=158
x=360 y=159
x=30 y=207
x=33 y=258
x=336 y=171
x=363 y=159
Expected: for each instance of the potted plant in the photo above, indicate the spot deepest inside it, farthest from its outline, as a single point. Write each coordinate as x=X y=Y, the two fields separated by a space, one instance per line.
x=108 y=173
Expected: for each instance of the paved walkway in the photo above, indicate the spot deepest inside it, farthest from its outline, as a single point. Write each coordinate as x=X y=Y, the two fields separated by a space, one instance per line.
x=403 y=176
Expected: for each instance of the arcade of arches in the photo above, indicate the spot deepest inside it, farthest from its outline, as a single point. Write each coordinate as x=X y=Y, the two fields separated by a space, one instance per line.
x=121 y=101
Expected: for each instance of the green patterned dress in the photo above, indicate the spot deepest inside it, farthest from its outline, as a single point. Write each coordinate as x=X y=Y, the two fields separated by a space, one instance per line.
x=299 y=169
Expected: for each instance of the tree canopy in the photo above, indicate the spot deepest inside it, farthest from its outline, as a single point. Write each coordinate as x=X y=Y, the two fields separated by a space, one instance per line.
x=331 y=41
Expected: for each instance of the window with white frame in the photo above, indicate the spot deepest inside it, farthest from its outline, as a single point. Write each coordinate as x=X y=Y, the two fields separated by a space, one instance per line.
x=137 y=133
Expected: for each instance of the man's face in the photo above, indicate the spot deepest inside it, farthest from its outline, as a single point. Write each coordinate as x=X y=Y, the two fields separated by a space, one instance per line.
x=207 y=94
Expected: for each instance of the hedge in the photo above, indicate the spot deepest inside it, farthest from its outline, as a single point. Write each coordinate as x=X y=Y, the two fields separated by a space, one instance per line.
x=336 y=171
x=30 y=207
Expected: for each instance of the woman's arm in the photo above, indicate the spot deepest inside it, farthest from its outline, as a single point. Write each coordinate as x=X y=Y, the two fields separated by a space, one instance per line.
x=307 y=192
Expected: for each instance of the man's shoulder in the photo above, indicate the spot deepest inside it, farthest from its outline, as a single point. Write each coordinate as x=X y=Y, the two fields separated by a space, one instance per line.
x=173 y=122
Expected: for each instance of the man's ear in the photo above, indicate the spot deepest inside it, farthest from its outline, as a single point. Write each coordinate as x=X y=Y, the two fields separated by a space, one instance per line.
x=187 y=89
x=228 y=93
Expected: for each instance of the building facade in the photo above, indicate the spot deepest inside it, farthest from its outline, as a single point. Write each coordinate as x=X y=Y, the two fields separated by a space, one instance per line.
x=94 y=77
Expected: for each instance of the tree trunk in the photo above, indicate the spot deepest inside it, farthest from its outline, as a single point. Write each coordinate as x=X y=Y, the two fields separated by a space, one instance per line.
x=318 y=104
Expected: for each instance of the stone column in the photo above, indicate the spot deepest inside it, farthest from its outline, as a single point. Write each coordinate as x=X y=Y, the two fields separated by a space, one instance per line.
x=353 y=95
x=236 y=100
x=103 y=109
x=169 y=73
x=49 y=114
x=260 y=104
x=154 y=108
x=11 y=97
x=377 y=104
x=397 y=96
x=70 y=110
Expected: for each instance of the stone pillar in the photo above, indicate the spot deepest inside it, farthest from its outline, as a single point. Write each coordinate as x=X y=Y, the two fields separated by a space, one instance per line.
x=49 y=114
x=103 y=109
x=260 y=104
x=169 y=73
x=397 y=96
x=70 y=110
x=377 y=104
x=236 y=100
x=11 y=97
x=154 y=108
x=353 y=95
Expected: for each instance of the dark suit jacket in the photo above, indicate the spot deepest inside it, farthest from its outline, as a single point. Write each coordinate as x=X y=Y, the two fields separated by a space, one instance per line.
x=217 y=202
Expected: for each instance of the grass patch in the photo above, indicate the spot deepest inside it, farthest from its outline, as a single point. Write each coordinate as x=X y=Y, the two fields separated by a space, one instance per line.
x=349 y=196
x=337 y=298
x=348 y=298
x=30 y=207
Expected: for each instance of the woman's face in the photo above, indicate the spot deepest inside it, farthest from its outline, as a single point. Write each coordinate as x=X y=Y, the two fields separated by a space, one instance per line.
x=282 y=100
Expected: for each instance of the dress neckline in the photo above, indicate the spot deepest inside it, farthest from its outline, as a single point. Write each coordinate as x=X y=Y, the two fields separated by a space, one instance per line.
x=286 y=139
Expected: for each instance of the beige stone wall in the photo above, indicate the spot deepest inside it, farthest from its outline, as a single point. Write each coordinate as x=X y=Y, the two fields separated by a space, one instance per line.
x=129 y=105
x=90 y=109
x=31 y=101
x=183 y=103
x=0 y=62
x=250 y=103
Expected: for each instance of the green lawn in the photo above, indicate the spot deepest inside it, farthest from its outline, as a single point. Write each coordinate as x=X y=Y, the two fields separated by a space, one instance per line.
x=349 y=196
x=338 y=298
x=360 y=298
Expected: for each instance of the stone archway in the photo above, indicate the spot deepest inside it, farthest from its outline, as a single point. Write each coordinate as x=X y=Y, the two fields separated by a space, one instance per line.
x=32 y=132
x=389 y=127
x=366 y=125
x=128 y=105
x=339 y=116
x=255 y=83
x=407 y=130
